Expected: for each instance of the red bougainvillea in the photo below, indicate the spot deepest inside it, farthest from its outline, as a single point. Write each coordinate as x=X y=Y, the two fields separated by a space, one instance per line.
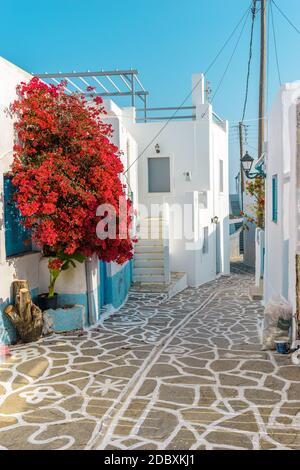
x=65 y=167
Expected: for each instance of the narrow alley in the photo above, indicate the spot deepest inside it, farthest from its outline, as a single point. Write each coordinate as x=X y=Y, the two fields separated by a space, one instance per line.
x=184 y=373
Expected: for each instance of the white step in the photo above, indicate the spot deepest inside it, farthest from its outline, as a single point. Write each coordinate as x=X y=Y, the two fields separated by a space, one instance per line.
x=149 y=242
x=149 y=230
x=146 y=279
x=139 y=249
x=150 y=237
x=148 y=263
x=153 y=224
x=148 y=256
x=149 y=271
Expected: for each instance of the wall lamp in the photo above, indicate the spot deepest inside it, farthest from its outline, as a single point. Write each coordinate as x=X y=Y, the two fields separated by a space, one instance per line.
x=157 y=148
x=247 y=162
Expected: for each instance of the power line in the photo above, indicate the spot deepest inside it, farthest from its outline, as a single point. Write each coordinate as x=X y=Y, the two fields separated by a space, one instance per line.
x=286 y=17
x=246 y=13
x=275 y=44
x=228 y=64
x=250 y=58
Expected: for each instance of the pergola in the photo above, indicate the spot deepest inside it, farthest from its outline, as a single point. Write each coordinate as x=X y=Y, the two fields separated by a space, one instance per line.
x=118 y=83
x=107 y=84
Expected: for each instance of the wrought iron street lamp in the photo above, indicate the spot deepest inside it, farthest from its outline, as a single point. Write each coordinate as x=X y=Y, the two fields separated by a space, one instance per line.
x=247 y=162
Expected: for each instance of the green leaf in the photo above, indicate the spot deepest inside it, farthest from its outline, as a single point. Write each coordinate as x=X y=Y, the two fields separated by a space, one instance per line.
x=78 y=257
x=65 y=266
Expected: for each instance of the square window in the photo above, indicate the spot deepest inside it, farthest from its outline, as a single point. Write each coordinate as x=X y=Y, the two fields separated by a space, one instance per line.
x=203 y=199
x=159 y=175
x=205 y=241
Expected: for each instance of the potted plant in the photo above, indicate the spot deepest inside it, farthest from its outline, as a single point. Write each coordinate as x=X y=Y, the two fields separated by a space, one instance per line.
x=56 y=266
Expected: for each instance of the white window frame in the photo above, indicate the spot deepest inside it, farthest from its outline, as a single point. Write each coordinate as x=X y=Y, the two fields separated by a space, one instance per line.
x=172 y=188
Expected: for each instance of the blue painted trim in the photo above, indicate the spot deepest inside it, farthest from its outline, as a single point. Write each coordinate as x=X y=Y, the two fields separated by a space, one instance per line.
x=275 y=198
x=15 y=233
x=117 y=286
x=75 y=299
x=114 y=290
x=68 y=319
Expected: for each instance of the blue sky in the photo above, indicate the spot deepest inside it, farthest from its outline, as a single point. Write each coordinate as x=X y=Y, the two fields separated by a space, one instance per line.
x=166 y=40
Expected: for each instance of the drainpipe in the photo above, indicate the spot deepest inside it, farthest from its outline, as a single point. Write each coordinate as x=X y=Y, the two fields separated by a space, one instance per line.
x=295 y=321
x=89 y=268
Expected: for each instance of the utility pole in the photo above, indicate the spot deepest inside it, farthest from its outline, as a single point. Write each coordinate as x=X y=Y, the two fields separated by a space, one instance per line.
x=241 y=134
x=262 y=81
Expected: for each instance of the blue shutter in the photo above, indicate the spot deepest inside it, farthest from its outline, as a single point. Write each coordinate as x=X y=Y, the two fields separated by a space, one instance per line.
x=275 y=198
x=16 y=235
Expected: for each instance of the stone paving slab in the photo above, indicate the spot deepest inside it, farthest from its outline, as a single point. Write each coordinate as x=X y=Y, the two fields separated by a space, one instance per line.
x=185 y=373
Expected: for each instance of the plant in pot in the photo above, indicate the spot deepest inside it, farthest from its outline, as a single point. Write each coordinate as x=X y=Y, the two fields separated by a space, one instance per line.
x=56 y=266
x=64 y=168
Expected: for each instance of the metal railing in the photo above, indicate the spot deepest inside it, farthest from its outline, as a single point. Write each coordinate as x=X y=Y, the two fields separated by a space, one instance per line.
x=218 y=120
x=177 y=113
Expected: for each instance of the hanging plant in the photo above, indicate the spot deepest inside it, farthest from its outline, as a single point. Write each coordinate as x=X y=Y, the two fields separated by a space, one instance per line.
x=256 y=189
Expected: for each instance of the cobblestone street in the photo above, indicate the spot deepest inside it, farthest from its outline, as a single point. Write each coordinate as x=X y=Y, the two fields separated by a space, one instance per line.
x=185 y=373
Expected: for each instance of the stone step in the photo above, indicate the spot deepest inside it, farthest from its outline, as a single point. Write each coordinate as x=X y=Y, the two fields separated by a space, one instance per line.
x=148 y=250
x=149 y=255
x=146 y=279
x=149 y=271
x=146 y=243
x=149 y=236
x=148 y=263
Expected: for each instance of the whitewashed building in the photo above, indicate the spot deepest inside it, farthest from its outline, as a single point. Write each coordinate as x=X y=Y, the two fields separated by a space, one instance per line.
x=183 y=167
x=282 y=221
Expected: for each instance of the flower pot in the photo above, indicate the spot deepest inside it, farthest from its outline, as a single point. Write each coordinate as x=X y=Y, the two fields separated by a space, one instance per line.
x=45 y=302
x=282 y=346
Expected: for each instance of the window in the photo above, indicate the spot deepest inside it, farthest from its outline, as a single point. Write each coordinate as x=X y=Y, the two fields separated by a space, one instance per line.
x=221 y=175
x=203 y=199
x=205 y=241
x=275 y=198
x=17 y=237
x=159 y=175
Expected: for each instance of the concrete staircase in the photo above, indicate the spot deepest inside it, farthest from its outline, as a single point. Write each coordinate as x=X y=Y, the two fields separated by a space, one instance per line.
x=150 y=253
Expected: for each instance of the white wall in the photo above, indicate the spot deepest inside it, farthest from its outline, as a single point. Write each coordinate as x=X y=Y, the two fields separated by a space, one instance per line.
x=128 y=147
x=221 y=198
x=194 y=146
x=23 y=267
x=281 y=237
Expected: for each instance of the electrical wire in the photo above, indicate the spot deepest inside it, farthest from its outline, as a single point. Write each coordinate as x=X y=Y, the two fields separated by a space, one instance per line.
x=250 y=59
x=275 y=44
x=246 y=13
x=228 y=65
x=286 y=17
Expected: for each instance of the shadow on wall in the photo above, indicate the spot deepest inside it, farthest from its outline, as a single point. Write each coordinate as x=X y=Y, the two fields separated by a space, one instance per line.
x=249 y=245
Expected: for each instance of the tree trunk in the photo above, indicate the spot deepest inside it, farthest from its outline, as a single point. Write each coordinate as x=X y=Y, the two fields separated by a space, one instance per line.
x=25 y=316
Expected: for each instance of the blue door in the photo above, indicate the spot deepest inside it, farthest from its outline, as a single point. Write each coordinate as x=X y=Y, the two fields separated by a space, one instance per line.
x=17 y=237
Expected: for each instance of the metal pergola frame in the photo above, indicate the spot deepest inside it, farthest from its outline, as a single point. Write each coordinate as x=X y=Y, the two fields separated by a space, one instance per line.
x=107 y=83
x=118 y=83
